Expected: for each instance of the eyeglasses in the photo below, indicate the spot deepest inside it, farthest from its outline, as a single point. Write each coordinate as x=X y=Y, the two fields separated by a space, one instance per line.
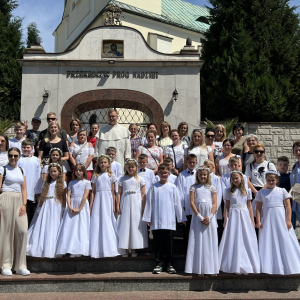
x=259 y=151
x=210 y=136
x=13 y=156
x=51 y=119
x=197 y=129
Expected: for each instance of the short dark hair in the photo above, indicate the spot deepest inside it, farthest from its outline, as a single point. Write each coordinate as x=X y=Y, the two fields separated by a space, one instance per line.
x=283 y=158
x=191 y=156
x=143 y=156
x=238 y=125
x=230 y=141
x=28 y=142
x=296 y=144
x=14 y=149
x=208 y=129
x=168 y=160
x=163 y=167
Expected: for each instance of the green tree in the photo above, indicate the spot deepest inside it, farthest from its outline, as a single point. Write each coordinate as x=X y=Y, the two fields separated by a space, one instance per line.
x=11 y=49
x=252 y=61
x=32 y=32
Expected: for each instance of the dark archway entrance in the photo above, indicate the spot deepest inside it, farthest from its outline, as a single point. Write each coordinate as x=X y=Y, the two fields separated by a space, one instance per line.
x=110 y=98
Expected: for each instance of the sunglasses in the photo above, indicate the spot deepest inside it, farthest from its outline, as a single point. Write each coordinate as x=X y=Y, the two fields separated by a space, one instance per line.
x=13 y=156
x=199 y=130
x=51 y=119
x=259 y=151
x=210 y=136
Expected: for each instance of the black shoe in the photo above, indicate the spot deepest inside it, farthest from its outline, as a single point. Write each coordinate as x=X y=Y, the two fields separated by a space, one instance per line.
x=157 y=270
x=171 y=270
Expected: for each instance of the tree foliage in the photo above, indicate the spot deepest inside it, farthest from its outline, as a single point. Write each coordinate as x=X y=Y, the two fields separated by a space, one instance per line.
x=11 y=49
x=252 y=61
x=32 y=32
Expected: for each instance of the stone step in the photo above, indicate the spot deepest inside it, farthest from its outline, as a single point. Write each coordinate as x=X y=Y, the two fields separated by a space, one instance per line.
x=144 y=281
x=251 y=295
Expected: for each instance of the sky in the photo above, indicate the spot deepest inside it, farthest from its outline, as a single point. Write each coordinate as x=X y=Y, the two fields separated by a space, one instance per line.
x=47 y=15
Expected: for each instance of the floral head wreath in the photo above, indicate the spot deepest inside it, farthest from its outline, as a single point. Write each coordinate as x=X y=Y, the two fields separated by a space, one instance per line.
x=272 y=173
x=104 y=156
x=236 y=171
x=54 y=165
x=131 y=160
x=203 y=168
x=56 y=149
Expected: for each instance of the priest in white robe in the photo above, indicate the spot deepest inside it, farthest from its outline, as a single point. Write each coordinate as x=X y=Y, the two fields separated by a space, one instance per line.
x=114 y=135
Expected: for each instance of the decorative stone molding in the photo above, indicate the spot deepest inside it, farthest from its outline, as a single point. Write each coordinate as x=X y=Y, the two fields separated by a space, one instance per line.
x=105 y=98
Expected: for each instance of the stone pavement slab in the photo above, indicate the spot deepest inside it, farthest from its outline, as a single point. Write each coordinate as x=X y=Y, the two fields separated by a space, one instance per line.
x=166 y=295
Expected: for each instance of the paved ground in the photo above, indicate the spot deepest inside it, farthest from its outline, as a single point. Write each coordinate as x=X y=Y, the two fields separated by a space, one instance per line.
x=154 y=295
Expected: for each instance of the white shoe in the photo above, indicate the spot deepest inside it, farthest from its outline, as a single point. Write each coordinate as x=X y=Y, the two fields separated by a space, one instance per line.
x=23 y=272
x=72 y=255
x=133 y=253
x=6 y=272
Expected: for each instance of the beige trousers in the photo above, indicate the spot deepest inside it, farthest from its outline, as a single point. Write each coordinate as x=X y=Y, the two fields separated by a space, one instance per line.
x=13 y=232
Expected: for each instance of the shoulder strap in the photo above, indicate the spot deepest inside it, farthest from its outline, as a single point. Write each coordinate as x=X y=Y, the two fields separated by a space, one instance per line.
x=4 y=175
x=151 y=155
x=268 y=166
x=175 y=164
x=21 y=170
x=80 y=150
x=294 y=175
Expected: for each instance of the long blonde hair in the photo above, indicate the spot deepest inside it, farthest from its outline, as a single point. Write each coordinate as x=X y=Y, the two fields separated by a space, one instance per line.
x=192 y=142
x=136 y=175
x=222 y=127
x=59 y=186
x=97 y=170
x=241 y=187
x=48 y=135
x=208 y=177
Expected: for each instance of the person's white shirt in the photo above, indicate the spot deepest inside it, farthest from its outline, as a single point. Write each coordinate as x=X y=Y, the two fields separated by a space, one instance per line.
x=172 y=178
x=256 y=172
x=216 y=182
x=148 y=176
x=163 y=206
x=31 y=165
x=184 y=182
x=114 y=136
x=13 y=179
x=179 y=154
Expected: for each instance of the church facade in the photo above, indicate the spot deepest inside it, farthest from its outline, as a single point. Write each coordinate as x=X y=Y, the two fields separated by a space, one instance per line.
x=112 y=66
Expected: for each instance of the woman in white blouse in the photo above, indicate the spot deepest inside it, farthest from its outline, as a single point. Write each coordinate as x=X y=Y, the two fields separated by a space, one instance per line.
x=175 y=151
x=14 y=224
x=199 y=148
x=82 y=152
x=3 y=150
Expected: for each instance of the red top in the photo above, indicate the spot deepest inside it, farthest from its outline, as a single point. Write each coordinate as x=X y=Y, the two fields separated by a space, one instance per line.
x=92 y=140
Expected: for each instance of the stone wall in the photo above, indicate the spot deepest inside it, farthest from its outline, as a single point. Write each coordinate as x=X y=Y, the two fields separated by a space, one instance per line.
x=278 y=138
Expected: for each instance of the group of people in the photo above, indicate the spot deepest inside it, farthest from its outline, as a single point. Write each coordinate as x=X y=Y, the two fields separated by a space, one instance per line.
x=99 y=193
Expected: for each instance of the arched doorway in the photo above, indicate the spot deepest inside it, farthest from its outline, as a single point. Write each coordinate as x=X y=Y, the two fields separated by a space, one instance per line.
x=121 y=99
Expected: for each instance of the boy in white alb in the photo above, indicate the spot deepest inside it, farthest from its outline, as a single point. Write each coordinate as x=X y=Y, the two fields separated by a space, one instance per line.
x=216 y=182
x=146 y=173
x=115 y=167
x=162 y=208
x=185 y=180
x=172 y=178
x=31 y=165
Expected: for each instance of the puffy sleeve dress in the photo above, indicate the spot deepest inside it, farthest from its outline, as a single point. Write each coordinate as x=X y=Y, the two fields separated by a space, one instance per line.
x=74 y=231
x=278 y=247
x=132 y=230
x=202 y=253
x=238 y=250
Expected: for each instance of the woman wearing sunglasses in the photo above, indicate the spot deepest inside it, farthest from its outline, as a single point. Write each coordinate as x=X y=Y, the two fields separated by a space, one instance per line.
x=13 y=224
x=257 y=169
x=210 y=137
x=3 y=150
x=240 y=143
x=199 y=148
